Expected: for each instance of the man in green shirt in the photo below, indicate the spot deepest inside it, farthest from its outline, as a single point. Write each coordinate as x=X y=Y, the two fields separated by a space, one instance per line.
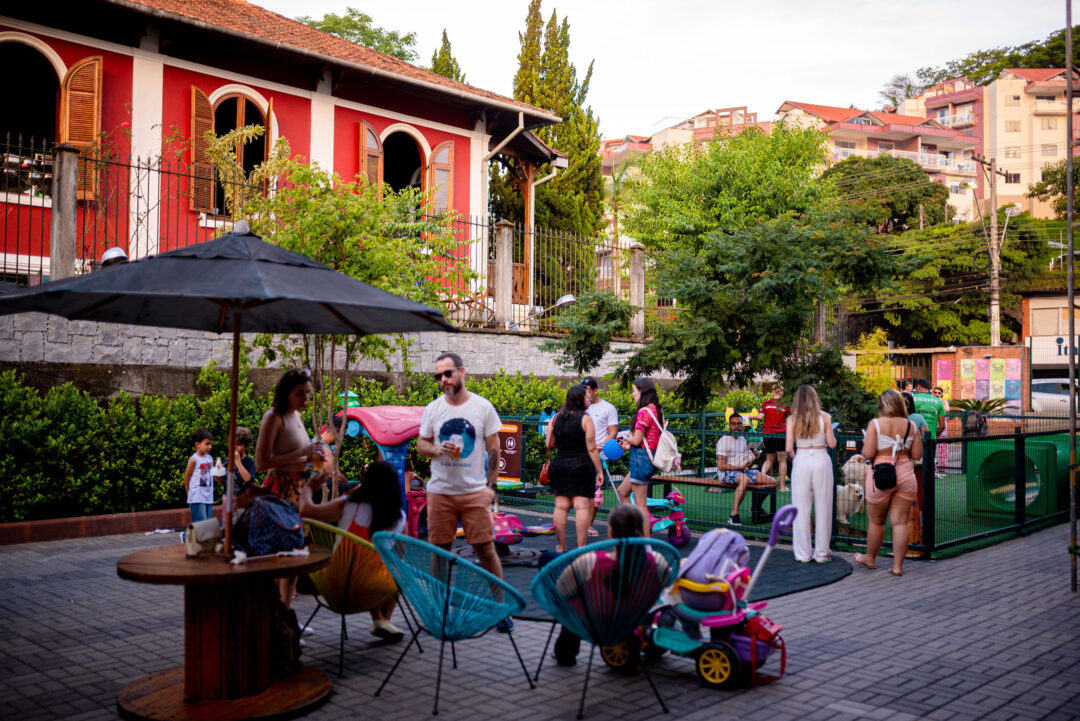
x=929 y=407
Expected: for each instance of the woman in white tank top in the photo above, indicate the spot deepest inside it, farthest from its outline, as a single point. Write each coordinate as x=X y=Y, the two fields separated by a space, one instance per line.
x=890 y=438
x=809 y=436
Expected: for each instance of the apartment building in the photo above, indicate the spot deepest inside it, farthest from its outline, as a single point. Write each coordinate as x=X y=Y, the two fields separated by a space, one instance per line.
x=943 y=152
x=1018 y=119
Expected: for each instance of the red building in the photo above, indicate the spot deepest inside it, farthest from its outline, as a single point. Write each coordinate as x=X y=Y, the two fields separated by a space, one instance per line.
x=146 y=78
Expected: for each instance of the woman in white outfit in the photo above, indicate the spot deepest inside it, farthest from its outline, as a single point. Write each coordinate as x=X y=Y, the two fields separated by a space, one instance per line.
x=809 y=436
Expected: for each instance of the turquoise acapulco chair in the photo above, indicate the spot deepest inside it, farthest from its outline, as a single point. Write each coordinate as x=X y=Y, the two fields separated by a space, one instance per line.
x=454 y=599
x=602 y=593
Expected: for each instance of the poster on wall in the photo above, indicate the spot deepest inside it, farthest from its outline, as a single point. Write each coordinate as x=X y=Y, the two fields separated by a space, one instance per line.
x=967 y=378
x=944 y=376
x=997 y=378
x=1012 y=384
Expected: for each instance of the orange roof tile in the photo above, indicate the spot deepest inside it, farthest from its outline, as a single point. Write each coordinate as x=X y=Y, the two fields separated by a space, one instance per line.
x=261 y=25
x=1035 y=75
x=827 y=112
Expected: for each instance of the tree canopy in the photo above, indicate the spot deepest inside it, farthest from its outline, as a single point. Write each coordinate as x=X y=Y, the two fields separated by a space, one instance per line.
x=359 y=28
x=682 y=193
x=983 y=66
x=1053 y=186
x=444 y=63
x=888 y=191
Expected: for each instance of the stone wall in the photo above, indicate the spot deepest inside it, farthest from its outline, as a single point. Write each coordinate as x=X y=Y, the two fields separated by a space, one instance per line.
x=144 y=359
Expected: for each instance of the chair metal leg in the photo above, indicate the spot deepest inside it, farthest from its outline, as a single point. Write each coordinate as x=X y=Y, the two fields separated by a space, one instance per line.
x=438 y=677
x=581 y=706
x=341 y=650
x=396 y=664
x=453 y=653
x=648 y=677
x=318 y=605
x=543 y=655
x=510 y=634
x=409 y=611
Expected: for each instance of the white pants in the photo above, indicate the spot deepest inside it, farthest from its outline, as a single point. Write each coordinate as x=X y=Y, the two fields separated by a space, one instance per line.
x=812 y=482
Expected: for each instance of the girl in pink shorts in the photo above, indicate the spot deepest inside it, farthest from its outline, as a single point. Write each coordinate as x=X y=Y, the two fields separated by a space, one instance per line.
x=890 y=438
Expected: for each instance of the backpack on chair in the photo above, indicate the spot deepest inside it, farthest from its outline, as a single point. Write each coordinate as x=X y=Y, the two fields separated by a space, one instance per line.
x=666 y=457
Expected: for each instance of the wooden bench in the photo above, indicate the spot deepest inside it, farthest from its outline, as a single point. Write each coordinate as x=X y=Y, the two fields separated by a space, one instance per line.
x=758 y=492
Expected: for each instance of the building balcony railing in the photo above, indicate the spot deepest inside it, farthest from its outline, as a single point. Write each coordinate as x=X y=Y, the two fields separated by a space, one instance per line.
x=930 y=161
x=1054 y=107
x=958 y=120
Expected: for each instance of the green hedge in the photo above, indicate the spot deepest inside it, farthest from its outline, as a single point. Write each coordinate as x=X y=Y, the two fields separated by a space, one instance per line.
x=64 y=453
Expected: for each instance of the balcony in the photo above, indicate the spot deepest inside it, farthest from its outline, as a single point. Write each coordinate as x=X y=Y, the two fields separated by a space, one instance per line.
x=957 y=121
x=1054 y=107
x=929 y=161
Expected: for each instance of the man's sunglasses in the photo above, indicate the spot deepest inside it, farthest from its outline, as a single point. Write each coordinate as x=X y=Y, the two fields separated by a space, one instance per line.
x=445 y=374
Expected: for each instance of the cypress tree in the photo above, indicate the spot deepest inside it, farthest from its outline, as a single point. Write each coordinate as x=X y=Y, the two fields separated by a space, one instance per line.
x=444 y=63
x=527 y=77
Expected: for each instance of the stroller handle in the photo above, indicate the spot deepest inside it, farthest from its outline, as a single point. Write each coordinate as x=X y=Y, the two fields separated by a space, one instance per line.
x=782 y=522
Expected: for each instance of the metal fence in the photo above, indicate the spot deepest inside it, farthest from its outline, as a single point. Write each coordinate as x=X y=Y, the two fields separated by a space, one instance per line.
x=969 y=490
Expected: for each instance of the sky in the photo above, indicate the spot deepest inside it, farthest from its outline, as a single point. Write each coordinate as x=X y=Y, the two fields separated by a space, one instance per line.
x=660 y=61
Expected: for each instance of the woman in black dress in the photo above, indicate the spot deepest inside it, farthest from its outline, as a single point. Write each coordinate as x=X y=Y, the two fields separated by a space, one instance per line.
x=575 y=471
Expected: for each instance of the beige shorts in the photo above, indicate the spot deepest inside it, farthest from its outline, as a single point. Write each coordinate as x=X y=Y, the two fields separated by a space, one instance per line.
x=906 y=487
x=474 y=510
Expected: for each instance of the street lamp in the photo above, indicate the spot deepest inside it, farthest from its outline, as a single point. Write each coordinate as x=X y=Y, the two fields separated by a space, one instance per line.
x=538 y=311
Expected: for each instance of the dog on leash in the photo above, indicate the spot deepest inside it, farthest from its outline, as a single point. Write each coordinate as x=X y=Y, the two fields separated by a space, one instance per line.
x=850 y=500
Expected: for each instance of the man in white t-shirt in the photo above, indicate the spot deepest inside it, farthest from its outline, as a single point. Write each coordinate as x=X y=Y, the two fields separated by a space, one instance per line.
x=459 y=431
x=733 y=461
x=606 y=422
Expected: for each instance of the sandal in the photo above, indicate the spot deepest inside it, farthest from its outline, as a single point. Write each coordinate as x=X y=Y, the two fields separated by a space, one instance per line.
x=593 y=533
x=860 y=559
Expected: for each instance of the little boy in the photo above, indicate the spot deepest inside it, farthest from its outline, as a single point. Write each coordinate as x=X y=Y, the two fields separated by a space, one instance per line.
x=198 y=479
x=245 y=464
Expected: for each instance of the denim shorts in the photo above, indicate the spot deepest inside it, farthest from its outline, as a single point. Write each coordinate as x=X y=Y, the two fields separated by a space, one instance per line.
x=641 y=468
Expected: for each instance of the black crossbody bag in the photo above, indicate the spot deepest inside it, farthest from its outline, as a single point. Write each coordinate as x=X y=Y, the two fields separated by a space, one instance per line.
x=885 y=473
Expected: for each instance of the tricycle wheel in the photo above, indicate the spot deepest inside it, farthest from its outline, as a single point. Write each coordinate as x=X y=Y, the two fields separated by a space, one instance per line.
x=623 y=656
x=677 y=537
x=718 y=665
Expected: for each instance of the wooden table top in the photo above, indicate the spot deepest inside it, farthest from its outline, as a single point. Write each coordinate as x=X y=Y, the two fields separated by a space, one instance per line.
x=168 y=565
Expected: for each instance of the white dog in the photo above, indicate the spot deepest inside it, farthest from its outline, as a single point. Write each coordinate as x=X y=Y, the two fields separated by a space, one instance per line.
x=849 y=501
x=854 y=471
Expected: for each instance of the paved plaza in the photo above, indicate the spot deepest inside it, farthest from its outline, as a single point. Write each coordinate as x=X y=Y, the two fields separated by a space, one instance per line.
x=993 y=634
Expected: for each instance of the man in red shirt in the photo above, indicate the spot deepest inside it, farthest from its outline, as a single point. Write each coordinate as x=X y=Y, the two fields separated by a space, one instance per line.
x=775 y=414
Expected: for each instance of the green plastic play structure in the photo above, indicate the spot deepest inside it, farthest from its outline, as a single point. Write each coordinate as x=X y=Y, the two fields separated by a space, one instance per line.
x=990 y=476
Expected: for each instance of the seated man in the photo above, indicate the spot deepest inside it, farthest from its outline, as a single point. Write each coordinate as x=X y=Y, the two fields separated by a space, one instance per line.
x=733 y=465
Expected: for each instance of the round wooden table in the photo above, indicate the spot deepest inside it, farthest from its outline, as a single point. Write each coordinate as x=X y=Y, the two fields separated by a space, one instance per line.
x=227 y=626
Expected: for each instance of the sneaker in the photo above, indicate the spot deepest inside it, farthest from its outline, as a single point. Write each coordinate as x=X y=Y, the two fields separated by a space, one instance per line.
x=303 y=642
x=387 y=631
x=306 y=631
x=505 y=625
x=735 y=520
x=714 y=489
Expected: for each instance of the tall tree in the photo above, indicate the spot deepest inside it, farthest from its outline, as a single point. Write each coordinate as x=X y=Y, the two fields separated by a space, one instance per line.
x=527 y=77
x=898 y=89
x=890 y=191
x=983 y=66
x=1054 y=188
x=359 y=28
x=444 y=63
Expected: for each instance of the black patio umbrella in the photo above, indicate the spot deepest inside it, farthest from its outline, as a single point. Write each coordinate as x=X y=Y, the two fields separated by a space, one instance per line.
x=234 y=283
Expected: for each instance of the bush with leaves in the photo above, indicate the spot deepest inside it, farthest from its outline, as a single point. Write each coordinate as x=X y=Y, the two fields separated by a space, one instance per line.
x=589 y=325
x=840 y=389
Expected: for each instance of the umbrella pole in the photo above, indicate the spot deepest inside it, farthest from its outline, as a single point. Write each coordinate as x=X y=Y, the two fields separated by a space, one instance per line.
x=235 y=382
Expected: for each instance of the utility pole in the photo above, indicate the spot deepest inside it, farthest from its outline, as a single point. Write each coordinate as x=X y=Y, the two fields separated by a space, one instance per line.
x=922 y=217
x=1070 y=275
x=991 y=170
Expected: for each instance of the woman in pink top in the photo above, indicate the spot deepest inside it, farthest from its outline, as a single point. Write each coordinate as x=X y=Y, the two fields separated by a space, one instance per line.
x=645 y=431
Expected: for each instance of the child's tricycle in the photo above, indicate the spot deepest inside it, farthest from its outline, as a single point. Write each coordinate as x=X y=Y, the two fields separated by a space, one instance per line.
x=671 y=517
x=709 y=617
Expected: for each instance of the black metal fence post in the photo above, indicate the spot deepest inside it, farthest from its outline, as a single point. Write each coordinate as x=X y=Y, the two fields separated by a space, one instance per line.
x=1019 y=478
x=929 y=495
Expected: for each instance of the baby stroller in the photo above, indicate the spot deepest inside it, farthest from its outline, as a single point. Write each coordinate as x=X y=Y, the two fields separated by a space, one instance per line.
x=707 y=615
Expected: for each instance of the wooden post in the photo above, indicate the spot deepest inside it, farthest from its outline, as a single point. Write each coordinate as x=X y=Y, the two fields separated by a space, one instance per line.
x=637 y=290
x=504 y=273
x=64 y=195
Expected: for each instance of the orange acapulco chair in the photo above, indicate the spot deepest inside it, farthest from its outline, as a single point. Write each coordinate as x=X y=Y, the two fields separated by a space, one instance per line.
x=355 y=581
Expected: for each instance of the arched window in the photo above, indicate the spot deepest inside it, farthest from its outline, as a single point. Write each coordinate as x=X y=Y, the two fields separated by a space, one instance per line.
x=229 y=112
x=371 y=155
x=442 y=177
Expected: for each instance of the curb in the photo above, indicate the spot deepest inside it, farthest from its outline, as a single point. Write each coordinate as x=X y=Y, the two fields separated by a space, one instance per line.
x=59 y=529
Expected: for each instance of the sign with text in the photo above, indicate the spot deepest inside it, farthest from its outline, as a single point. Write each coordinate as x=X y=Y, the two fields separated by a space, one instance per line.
x=510 y=450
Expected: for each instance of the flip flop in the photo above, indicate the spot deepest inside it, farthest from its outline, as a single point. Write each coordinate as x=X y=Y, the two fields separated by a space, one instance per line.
x=859 y=559
x=593 y=532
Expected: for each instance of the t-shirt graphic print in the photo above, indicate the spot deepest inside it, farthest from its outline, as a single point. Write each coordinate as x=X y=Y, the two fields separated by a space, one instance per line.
x=467 y=425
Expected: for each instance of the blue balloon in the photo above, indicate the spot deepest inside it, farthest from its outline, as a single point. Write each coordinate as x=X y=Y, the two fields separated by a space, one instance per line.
x=612 y=450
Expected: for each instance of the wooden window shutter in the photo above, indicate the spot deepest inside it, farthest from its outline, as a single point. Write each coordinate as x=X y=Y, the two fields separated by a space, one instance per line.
x=441 y=178
x=80 y=119
x=371 y=155
x=201 y=196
